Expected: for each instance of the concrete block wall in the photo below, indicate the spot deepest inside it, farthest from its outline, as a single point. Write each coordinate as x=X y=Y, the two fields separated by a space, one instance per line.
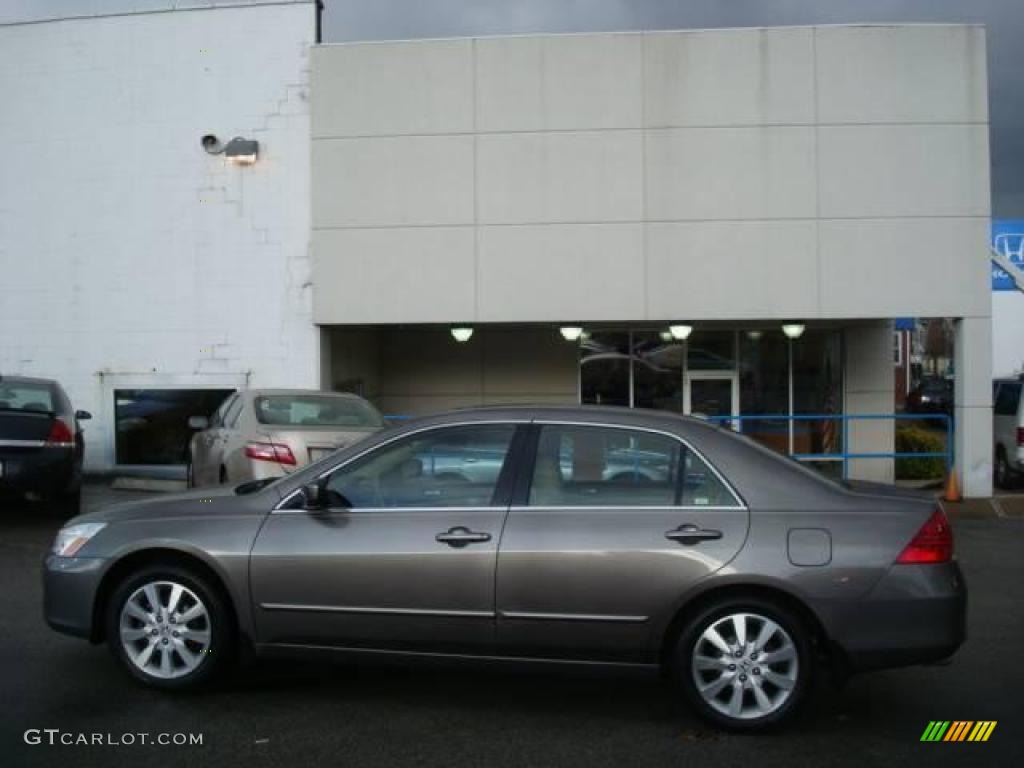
x=130 y=257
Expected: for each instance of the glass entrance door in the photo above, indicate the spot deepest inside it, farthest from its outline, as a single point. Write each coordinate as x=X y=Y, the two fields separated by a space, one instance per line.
x=711 y=393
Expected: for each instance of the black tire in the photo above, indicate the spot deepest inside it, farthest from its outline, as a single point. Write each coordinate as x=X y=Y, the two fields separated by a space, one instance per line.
x=803 y=672
x=222 y=645
x=1002 y=474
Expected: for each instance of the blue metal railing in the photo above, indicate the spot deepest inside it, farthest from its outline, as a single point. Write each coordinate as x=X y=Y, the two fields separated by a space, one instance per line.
x=844 y=455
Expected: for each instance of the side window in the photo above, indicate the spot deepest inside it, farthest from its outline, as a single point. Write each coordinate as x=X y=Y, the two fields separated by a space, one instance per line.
x=1008 y=398
x=231 y=414
x=604 y=467
x=218 y=416
x=701 y=487
x=580 y=466
x=446 y=467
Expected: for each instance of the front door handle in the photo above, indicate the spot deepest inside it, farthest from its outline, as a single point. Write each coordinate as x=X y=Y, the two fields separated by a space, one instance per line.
x=460 y=536
x=690 y=534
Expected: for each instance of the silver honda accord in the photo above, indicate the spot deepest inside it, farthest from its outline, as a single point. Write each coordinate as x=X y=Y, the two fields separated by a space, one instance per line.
x=591 y=534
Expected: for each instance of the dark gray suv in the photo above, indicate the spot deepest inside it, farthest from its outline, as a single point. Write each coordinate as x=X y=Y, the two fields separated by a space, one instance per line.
x=569 y=534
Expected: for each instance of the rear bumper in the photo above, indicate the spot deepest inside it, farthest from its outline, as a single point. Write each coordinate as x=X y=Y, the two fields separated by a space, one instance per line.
x=916 y=614
x=48 y=471
x=69 y=593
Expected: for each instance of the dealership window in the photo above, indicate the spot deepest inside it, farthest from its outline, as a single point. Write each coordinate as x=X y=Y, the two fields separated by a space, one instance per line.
x=152 y=424
x=750 y=372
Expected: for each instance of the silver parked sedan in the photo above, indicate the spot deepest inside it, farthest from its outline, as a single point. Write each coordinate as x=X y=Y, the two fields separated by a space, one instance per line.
x=261 y=433
x=569 y=534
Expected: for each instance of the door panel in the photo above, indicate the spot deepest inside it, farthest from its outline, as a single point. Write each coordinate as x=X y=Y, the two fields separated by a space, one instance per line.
x=406 y=555
x=578 y=578
x=375 y=577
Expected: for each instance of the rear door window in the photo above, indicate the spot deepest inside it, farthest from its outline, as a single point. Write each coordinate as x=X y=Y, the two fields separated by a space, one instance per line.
x=584 y=466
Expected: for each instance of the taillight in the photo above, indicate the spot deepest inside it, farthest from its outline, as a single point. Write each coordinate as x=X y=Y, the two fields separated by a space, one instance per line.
x=60 y=434
x=933 y=543
x=1020 y=435
x=275 y=452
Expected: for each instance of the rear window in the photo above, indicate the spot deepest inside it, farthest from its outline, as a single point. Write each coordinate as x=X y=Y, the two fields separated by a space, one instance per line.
x=26 y=397
x=1007 y=398
x=315 y=411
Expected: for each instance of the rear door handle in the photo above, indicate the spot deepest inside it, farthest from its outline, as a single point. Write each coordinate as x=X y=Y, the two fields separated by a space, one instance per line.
x=460 y=536
x=690 y=534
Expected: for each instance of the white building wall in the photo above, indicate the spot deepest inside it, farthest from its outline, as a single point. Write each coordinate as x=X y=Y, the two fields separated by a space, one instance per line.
x=727 y=174
x=129 y=257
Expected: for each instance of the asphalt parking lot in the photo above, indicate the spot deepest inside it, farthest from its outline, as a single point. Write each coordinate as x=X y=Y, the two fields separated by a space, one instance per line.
x=285 y=714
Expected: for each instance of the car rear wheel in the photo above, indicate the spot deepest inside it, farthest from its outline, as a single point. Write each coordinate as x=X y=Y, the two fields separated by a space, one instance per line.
x=169 y=627
x=1003 y=474
x=744 y=664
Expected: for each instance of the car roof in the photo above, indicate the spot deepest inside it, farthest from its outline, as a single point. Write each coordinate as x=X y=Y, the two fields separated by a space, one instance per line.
x=5 y=379
x=305 y=392
x=594 y=414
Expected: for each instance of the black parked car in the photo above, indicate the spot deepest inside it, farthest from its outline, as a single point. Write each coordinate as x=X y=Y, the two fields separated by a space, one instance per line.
x=932 y=395
x=41 y=443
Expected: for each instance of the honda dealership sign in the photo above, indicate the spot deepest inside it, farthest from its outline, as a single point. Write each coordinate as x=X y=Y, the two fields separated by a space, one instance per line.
x=1007 y=239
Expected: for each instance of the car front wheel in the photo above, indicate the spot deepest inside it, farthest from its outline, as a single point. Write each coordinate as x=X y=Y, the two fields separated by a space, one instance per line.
x=169 y=627
x=744 y=664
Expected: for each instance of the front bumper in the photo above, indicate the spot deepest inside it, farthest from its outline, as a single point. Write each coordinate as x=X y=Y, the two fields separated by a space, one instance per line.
x=69 y=593
x=916 y=614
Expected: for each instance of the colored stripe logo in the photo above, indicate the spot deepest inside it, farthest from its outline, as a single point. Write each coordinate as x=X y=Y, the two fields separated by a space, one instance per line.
x=958 y=730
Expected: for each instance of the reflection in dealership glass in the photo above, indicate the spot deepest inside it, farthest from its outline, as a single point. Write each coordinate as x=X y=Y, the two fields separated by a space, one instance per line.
x=152 y=424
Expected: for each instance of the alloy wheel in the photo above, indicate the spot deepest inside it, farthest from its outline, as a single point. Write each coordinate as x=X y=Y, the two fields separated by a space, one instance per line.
x=165 y=629
x=745 y=665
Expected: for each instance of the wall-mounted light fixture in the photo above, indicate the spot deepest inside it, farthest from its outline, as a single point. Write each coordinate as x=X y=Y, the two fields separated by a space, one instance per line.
x=239 y=151
x=462 y=333
x=571 y=332
x=680 y=332
x=755 y=334
x=793 y=330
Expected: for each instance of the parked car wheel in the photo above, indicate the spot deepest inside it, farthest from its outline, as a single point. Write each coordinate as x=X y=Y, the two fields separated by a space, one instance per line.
x=169 y=627
x=1003 y=474
x=744 y=664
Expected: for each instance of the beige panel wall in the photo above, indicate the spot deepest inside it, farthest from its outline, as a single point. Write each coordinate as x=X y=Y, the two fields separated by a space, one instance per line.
x=413 y=371
x=869 y=383
x=806 y=159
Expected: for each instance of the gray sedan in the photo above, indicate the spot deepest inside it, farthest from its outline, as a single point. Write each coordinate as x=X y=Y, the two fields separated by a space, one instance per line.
x=512 y=533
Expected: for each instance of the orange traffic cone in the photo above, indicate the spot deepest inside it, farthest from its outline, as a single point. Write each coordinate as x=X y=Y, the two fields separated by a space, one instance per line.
x=952 y=489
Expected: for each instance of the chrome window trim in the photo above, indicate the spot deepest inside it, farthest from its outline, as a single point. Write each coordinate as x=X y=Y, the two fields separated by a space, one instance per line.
x=740 y=503
x=378 y=510
x=401 y=436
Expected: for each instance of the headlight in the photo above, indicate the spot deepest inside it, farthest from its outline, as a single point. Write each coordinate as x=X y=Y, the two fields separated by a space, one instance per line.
x=71 y=539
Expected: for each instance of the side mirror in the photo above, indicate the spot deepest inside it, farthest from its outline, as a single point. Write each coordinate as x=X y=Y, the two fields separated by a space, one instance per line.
x=314 y=496
x=83 y=415
x=198 y=422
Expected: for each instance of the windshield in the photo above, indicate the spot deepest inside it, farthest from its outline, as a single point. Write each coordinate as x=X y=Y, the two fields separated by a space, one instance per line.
x=316 y=411
x=26 y=397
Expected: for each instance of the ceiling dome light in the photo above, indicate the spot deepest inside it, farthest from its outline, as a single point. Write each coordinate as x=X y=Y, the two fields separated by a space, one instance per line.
x=571 y=332
x=462 y=333
x=680 y=332
x=793 y=330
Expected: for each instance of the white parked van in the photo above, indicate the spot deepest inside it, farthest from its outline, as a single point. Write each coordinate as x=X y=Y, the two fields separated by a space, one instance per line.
x=1007 y=431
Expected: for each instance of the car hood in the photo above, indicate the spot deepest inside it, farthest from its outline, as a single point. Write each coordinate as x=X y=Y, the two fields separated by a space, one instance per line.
x=170 y=505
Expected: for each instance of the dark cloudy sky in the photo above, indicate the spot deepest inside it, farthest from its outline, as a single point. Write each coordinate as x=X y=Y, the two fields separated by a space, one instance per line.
x=346 y=20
